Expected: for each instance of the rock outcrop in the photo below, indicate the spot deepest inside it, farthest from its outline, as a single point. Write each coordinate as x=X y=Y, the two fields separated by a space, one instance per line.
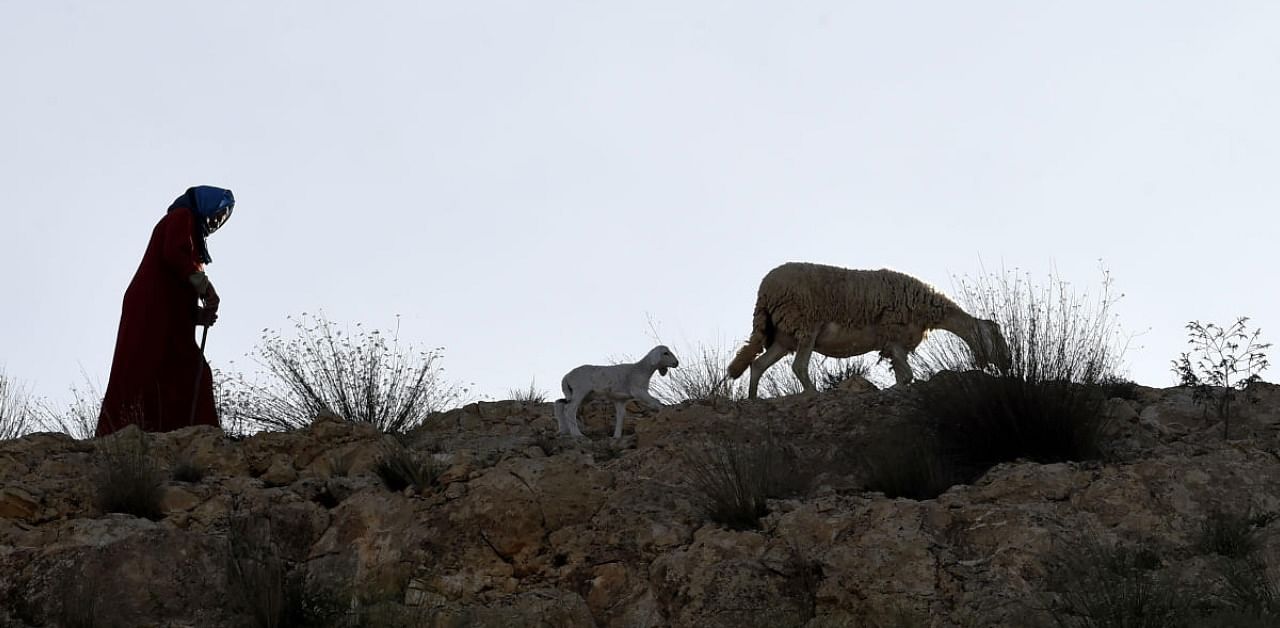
x=527 y=529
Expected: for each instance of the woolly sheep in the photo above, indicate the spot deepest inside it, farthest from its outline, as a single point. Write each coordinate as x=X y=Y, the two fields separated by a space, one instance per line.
x=619 y=383
x=840 y=313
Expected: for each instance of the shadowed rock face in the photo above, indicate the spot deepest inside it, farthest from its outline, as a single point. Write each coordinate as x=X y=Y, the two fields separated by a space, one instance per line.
x=526 y=529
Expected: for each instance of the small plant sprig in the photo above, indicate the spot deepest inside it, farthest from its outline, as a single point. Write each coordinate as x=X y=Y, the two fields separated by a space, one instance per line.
x=1224 y=360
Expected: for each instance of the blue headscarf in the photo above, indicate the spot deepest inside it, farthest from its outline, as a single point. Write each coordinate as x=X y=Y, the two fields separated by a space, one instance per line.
x=207 y=203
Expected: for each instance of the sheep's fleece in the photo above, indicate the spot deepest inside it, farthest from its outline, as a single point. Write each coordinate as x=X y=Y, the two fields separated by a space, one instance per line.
x=847 y=312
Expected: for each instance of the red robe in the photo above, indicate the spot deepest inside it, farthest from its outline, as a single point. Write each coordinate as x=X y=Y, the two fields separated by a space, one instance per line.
x=157 y=360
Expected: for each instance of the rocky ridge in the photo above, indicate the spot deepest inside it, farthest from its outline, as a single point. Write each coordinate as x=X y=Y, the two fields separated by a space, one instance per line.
x=526 y=529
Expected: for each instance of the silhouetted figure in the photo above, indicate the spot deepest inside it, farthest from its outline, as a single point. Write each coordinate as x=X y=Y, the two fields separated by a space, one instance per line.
x=158 y=374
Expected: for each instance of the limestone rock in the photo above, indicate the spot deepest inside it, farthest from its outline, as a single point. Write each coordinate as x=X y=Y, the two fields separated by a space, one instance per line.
x=523 y=529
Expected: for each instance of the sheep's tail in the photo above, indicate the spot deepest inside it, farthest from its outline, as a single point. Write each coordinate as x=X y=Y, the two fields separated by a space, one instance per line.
x=755 y=344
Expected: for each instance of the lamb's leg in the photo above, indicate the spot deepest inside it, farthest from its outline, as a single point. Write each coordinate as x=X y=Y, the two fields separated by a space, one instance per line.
x=558 y=410
x=571 y=417
x=901 y=366
x=649 y=400
x=800 y=366
x=620 y=408
x=761 y=364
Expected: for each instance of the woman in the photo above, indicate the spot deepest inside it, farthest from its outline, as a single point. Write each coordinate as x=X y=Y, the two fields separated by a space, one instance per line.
x=159 y=378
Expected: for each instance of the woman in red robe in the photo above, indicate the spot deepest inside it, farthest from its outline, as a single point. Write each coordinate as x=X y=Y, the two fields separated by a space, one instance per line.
x=159 y=378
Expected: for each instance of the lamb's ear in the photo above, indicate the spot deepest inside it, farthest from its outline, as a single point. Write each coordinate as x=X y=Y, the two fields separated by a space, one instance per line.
x=662 y=370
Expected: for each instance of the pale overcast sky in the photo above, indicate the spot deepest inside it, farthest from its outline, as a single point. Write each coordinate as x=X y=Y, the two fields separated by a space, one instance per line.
x=526 y=183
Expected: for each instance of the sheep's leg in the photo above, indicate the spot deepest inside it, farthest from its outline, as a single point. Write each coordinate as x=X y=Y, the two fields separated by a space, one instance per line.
x=761 y=364
x=620 y=408
x=901 y=366
x=800 y=366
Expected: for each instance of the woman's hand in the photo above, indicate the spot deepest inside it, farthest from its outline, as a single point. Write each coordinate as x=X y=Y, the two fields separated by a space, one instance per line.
x=210 y=298
x=206 y=316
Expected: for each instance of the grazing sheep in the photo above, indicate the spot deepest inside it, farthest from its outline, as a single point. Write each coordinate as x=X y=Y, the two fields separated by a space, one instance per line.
x=620 y=383
x=841 y=313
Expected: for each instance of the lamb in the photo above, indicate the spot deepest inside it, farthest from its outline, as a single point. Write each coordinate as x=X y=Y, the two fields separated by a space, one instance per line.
x=619 y=383
x=841 y=313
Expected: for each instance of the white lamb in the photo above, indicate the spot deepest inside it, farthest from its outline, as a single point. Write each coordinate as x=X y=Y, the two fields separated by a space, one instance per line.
x=619 y=383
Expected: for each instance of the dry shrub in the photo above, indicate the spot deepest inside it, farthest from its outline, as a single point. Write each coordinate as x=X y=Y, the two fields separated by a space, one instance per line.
x=982 y=421
x=79 y=418
x=1047 y=405
x=1054 y=332
x=364 y=376
x=17 y=408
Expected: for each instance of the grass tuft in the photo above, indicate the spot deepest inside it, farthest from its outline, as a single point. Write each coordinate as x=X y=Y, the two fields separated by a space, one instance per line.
x=532 y=394
x=128 y=479
x=1116 y=586
x=908 y=464
x=400 y=468
x=982 y=421
x=1232 y=534
x=1252 y=592
x=701 y=376
x=736 y=479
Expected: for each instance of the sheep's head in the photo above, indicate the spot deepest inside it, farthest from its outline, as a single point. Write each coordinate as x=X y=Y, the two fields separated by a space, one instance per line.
x=993 y=349
x=661 y=358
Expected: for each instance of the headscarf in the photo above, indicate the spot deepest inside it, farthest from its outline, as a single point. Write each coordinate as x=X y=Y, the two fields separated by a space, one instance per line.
x=212 y=207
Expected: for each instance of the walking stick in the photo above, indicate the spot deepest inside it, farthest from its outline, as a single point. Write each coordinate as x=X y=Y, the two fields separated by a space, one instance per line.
x=195 y=394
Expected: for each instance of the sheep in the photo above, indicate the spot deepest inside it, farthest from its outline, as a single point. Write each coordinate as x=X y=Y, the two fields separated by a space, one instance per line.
x=841 y=313
x=619 y=383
